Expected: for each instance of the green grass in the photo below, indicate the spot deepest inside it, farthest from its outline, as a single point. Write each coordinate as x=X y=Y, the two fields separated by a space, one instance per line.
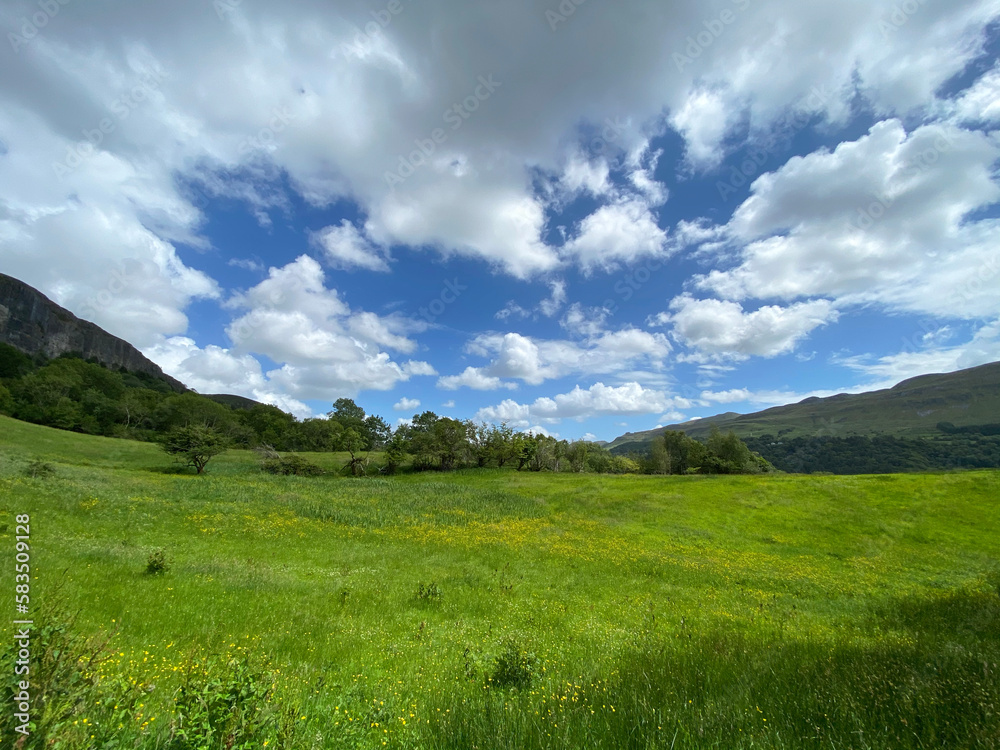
x=498 y=609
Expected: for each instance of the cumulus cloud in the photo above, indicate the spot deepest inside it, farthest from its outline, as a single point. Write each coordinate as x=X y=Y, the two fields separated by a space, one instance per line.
x=722 y=329
x=616 y=234
x=630 y=399
x=407 y=404
x=218 y=370
x=346 y=248
x=325 y=348
x=981 y=102
x=533 y=361
x=473 y=379
x=883 y=219
x=703 y=120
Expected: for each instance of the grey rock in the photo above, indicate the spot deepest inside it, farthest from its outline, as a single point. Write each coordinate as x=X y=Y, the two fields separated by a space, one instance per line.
x=34 y=324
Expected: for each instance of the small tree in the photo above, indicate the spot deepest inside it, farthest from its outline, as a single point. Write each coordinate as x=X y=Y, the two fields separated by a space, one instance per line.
x=195 y=445
x=395 y=452
x=354 y=443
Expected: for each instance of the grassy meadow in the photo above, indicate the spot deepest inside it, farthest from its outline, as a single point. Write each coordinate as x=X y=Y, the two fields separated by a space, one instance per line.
x=497 y=609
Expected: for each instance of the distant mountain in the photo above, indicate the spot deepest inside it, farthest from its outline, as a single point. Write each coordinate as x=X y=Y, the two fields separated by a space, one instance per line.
x=913 y=408
x=34 y=324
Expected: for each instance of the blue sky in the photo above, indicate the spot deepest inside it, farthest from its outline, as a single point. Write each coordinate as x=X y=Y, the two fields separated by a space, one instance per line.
x=581 y=218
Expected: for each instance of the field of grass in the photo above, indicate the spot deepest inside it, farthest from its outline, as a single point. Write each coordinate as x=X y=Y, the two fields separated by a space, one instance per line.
x=497 y=609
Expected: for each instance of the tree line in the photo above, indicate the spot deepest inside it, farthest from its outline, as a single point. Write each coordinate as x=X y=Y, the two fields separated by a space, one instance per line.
x=84 y=396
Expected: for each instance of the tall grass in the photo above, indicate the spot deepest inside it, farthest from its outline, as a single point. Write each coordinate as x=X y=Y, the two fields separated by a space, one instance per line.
x=501 y=610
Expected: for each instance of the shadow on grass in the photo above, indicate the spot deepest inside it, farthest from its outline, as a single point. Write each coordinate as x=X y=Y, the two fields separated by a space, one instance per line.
x=925 y=674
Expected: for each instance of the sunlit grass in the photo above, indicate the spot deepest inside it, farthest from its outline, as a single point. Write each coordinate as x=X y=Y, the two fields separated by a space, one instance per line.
x=643 y=611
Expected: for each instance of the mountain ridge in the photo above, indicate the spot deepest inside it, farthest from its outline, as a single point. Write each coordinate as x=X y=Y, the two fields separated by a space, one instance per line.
x=911 y=408
x=34 y=324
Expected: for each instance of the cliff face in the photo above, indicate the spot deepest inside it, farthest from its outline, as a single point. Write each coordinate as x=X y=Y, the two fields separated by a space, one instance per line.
x=33 y=323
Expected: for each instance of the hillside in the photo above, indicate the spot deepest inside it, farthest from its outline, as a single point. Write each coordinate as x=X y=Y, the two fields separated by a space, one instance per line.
x=913 y=408
x=35 y=325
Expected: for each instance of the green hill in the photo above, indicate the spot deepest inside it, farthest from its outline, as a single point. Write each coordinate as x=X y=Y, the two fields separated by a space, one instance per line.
x=913 y=408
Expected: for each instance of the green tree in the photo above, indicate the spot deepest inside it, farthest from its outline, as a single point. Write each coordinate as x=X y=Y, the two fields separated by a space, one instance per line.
x=377 y=431
x=478 y=435
x=450 y=441
x=190 y=409
x=659 y=458
x=727 y=454
x=196 y=445
x=317 y=435
x=395 y=452
x=576 y=453
x=500 y=444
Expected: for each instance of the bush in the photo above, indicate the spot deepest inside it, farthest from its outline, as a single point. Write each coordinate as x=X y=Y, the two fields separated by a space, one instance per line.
x=232 y=707
x=38 y=469
x=291 y=465
x=429 y=592
x=513 y=667
x=157 y=562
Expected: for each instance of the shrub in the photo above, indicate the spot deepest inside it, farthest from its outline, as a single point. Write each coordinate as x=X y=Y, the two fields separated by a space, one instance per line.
x=38 y=469
x=291 y=465
x=429 y=592
x=157 y=562
x=513 y=667
x=232 y=707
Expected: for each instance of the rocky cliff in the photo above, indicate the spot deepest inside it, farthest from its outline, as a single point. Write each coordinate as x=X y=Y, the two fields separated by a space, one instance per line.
x=33 y=323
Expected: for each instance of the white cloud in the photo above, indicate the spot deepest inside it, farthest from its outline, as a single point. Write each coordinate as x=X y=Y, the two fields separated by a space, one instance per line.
x=346 y=248
x=555 y=301
x=884 y=372
x=326 y=349
x=616 y=234
x=407 y=404
x=474 y=379
x=981 y=102
x=599 y=400
x=734 y=396
x=704 y=120
x=879 y=220
x=519 y=357
x=217 y=370
x=723 y=329
x=290 y=92
x=583 y=175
